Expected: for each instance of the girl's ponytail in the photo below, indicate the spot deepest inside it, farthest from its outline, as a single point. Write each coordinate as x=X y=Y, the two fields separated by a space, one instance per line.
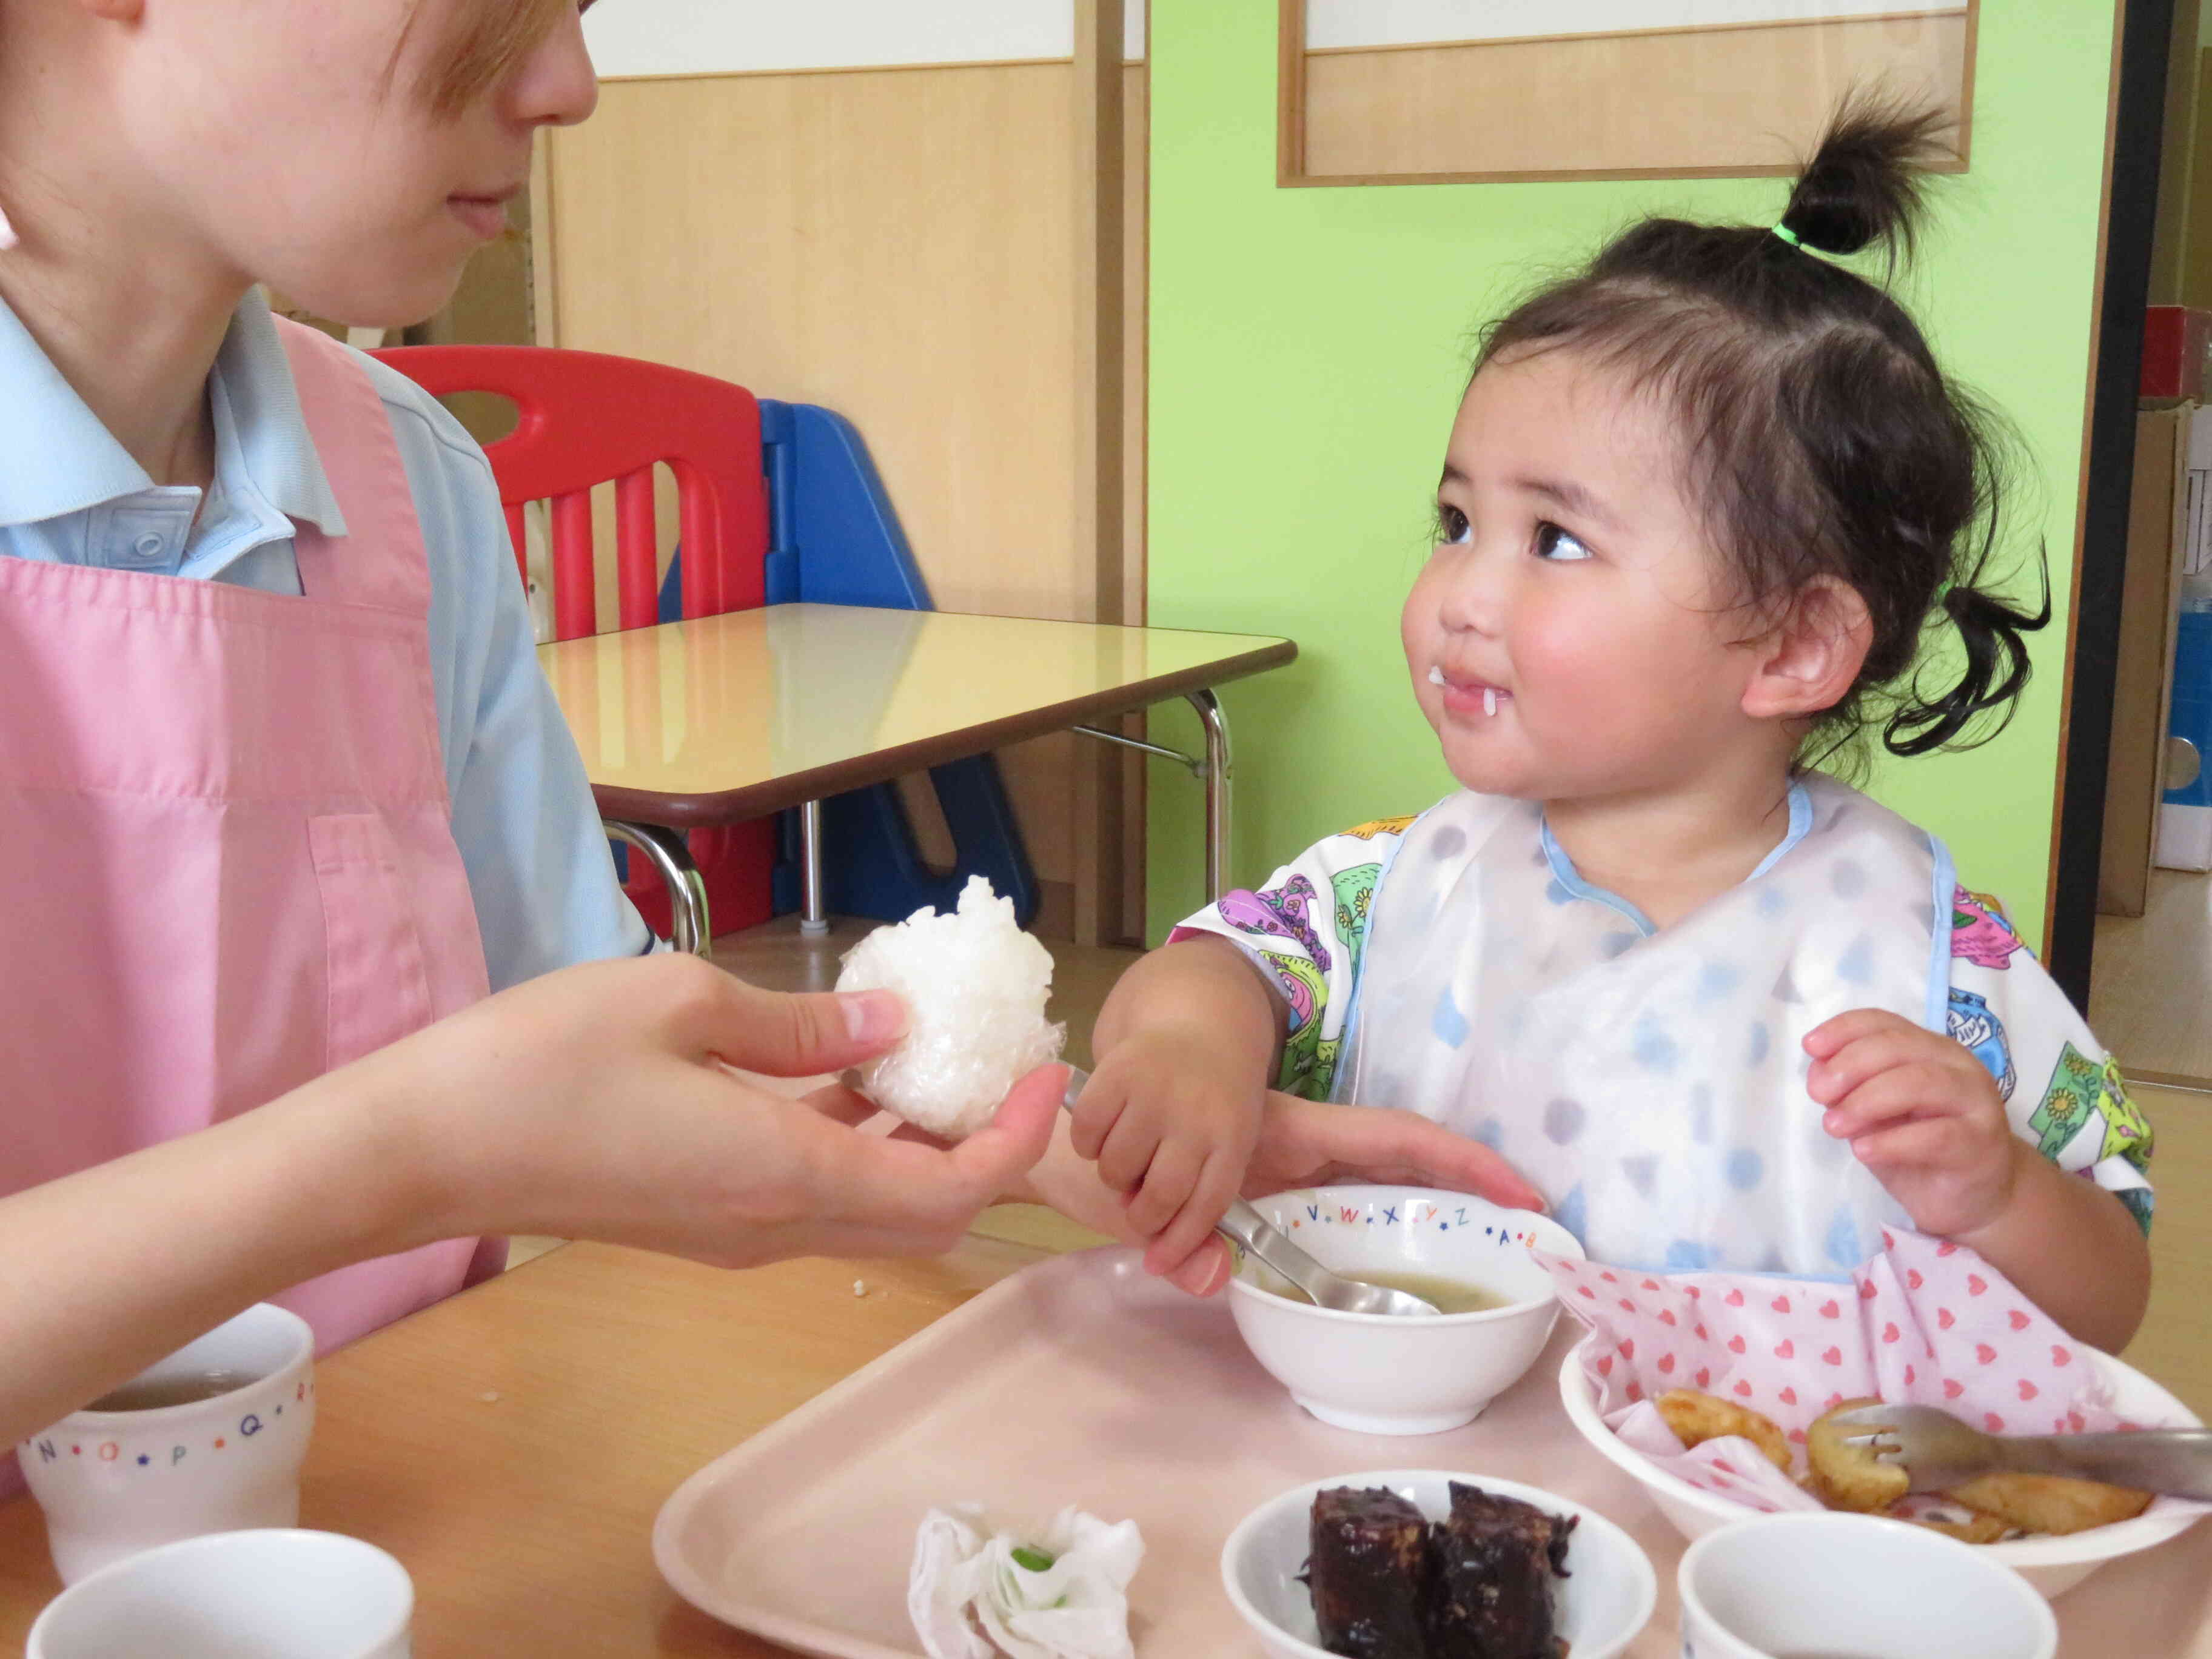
x=1864 y=184
x=1993 y=634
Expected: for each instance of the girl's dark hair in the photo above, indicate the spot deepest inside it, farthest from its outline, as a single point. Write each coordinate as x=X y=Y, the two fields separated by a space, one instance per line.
x=1820 y=437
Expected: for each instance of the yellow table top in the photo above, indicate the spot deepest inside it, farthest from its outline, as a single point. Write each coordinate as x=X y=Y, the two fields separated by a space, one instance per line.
x=725 y=718
x=512 y=1444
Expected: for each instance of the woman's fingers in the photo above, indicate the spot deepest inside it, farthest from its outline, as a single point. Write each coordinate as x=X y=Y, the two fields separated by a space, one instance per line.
x=1007 y=1147
x=786 y=1035
x=1302 y=1141
x=843 y=1105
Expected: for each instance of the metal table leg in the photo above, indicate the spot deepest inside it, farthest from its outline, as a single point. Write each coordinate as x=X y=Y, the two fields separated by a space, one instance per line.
x=1212 y=771
x=812 y=923
x=687 y=888
x=1216 y=777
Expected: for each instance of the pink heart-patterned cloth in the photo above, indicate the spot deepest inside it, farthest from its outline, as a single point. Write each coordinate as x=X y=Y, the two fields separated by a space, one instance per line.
x=1925 y=1322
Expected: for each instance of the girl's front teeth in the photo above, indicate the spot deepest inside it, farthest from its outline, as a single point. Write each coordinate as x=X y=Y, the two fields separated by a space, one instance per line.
x=1489 y=692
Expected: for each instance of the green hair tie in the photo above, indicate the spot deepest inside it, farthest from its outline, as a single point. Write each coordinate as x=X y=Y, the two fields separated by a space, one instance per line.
x=1798 y=242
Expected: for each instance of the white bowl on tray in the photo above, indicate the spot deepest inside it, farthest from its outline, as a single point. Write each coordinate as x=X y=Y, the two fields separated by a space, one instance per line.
x=1381 y=1374
x=2053 y=1566
x=1606 y=1598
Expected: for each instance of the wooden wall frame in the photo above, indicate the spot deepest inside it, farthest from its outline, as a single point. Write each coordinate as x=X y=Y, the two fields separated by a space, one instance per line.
x=1356 y=116
x=975 y=306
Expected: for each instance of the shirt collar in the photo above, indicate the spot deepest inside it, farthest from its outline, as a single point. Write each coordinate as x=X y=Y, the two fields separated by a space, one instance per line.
x=61 y=460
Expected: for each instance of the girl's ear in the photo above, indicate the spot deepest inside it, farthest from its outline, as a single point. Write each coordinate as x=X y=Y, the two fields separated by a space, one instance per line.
x=1808 y=662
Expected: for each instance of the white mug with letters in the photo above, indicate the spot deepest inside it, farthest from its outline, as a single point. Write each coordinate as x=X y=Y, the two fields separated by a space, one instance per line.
x=209 y=1439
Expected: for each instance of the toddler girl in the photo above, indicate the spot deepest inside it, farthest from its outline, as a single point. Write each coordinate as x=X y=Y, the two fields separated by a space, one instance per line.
x=1700 y=502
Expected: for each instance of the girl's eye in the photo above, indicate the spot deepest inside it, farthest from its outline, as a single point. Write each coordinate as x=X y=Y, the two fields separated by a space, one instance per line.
x=1452 y=526
x=1553 y=543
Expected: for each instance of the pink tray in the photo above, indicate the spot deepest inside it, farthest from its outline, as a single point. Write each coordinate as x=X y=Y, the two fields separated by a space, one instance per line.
x=1081 y=1380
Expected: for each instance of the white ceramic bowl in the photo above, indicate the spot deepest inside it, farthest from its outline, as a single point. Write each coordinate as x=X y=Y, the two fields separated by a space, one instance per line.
x=275 y=1593
x=2053 y=1566
x=1384 y=1375
x=1798 y=1583
x=1605 y=1600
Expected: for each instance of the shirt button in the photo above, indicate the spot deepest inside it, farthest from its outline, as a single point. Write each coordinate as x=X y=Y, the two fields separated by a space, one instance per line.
x=149 y=545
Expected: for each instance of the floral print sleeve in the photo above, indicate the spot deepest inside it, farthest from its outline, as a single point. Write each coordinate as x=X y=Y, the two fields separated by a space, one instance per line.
x=1305 y=930
x=2064 y=1092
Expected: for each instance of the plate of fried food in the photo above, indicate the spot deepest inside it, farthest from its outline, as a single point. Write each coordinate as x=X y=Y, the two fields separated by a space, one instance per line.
x=2053 y=1531
x=1728 y=1395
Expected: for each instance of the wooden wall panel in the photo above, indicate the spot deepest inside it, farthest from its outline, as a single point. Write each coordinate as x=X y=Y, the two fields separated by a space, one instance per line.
x=1731 y=101
x=898 y=245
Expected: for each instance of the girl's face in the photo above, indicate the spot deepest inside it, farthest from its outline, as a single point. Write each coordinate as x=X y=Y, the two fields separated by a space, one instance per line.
x=1571 y=636
x=297 y=143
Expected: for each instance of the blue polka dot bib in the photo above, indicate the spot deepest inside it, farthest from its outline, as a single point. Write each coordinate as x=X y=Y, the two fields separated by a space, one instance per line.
x=1651 y=1083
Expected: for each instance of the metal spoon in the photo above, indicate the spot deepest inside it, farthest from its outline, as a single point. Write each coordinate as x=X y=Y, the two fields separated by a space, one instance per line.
x=1244 y=1225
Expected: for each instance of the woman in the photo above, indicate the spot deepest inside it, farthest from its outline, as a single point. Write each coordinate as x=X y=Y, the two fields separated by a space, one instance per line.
x=280 y=783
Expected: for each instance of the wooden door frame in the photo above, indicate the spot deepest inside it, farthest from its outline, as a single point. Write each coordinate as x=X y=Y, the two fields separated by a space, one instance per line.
x=2135 y=130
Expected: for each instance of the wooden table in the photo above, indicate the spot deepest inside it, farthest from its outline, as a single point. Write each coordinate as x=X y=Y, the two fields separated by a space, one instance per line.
x=513 y=1444
x=527 y=1518
x=722 y=719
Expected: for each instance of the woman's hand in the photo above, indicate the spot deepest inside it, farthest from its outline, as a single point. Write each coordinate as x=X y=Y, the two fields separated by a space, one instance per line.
x=594 y=1103
x=1304 y=1142
x=598 y=1103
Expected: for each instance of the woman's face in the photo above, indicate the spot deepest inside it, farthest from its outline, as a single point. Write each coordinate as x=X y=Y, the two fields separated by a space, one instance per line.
x=297 y=140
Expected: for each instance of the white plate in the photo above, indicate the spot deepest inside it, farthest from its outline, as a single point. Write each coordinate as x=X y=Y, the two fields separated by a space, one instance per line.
x=2053 y=1565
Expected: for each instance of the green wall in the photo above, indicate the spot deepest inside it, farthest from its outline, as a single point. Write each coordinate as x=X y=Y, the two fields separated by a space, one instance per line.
x=1308 y=348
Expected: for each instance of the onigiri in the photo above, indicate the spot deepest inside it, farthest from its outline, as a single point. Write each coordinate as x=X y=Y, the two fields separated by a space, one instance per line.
x=975 y=985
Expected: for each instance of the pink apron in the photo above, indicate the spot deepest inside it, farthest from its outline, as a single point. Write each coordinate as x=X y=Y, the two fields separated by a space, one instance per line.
x=225 y=860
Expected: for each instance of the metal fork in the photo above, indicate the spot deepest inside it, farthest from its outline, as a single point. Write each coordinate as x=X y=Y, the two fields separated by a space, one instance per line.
x=1941 y=1452
x=1244 y=1225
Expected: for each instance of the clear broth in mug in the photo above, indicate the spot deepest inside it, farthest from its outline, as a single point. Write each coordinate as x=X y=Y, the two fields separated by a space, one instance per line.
x=154 y=1393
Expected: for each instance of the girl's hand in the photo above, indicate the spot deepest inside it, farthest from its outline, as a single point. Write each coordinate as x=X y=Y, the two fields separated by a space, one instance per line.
x=1301 y=1143
x=1922 y=1114
x=1172 y=1121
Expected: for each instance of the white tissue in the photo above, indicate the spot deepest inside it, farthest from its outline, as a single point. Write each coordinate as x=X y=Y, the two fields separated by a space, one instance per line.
x=975 y=985
x=971 y=1599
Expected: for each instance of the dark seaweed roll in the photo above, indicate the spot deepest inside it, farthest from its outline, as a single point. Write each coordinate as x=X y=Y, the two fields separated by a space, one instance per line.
x=1367 y=1569
x=1493 y=1562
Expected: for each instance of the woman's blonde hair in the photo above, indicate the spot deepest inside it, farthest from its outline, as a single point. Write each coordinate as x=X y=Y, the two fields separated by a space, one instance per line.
x=490 y=37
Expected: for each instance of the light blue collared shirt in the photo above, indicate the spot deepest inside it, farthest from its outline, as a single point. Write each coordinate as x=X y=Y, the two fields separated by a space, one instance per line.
x=529 y=836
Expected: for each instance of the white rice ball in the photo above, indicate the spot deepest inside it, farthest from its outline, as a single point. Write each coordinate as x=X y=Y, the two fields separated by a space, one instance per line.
x=975 y=985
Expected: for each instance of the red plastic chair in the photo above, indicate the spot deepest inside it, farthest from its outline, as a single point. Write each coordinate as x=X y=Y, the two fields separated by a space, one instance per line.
x=587 y=418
